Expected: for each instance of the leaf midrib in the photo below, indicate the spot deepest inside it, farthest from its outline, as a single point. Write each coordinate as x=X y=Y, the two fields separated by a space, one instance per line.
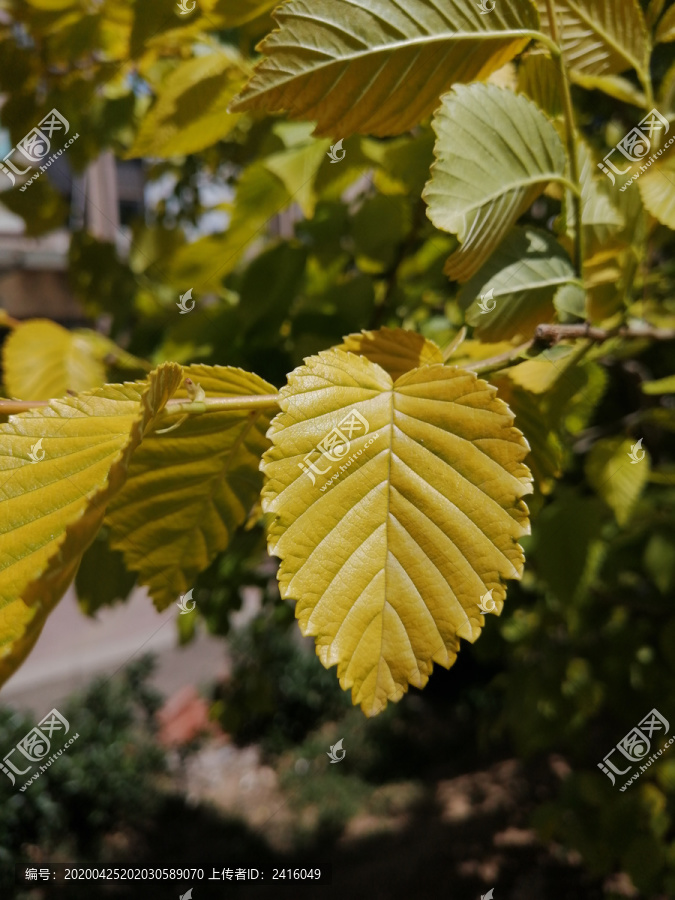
x=511 y=34
x=505 y=189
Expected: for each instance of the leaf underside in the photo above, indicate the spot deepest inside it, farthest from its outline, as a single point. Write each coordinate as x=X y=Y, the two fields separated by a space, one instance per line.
x=190 y=489
x=495 y=153
x=388 y=563
x=379 y=68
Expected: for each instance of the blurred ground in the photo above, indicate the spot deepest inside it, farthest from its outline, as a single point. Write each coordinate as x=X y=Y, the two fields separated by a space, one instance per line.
x=73 y=648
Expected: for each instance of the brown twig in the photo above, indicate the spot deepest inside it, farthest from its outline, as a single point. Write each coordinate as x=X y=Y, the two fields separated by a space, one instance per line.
x=551 y=334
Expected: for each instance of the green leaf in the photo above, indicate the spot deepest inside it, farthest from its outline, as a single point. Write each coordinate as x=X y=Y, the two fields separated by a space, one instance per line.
x=379 y=68
x=571 y=300
x=548 y=455
x=662 y=386
x=43 y=360
x=517 y=285
x=601 y=37
x=54 y=507
x=190 y=112
x=389 y=552
x=614 y=475
x=102 y=578
x=188 y=490
x=567 y=543
x=495 y=154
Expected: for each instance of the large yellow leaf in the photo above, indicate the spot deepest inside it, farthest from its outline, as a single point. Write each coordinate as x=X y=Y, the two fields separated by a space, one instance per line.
x=188 y=490
x=42 y=360
x=389 y=542
x=601 y=37
x=54 y=502
x=495 y=153
x=379 y=67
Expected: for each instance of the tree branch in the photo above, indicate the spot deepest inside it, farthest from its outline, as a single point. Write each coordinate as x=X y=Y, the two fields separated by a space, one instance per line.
x=551 y=334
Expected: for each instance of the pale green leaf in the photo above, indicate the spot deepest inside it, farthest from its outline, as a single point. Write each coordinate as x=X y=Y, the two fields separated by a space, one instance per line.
x=570 y=299
x=59 y=466
x=601 y=37
x=189 y=489
x=495 y=153
x=514 y=291
x=42 y=360
x=379 y=68
x=190 y=112
x=389 y=548
x=616 y=476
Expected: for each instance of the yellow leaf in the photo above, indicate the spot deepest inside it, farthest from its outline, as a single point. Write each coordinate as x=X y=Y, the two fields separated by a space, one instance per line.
x=657 y=188
x=42 y=360
x=188 y=490
x=666 y=28
x=396 y=350
x=389 y=542
x=60 y=465
x=380 y=68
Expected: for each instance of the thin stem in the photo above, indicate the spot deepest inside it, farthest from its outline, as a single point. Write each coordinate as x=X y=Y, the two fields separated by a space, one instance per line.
x=570 y=132
x=218 y=404
x=8 y=407
x=173 y=407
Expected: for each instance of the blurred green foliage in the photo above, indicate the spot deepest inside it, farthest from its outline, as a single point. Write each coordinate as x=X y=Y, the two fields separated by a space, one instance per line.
x=105 y=780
